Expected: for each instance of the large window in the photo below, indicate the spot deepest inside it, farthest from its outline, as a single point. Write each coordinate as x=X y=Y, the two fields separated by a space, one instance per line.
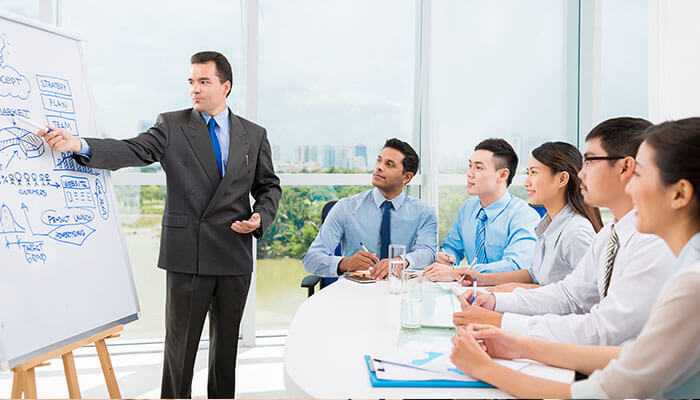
x=333 y=79
x=336 y=80
x=503 y=69
x=615 y=61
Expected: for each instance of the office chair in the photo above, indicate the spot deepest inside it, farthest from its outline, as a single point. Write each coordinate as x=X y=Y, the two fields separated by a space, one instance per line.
x=310 y=281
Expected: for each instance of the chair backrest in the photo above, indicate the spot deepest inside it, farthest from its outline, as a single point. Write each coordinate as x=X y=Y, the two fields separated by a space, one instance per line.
x=327 y=209
x=338 y=251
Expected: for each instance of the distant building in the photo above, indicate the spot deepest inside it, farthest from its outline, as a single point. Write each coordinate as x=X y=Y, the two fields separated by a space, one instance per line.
x=360 y=159
x=327 y=156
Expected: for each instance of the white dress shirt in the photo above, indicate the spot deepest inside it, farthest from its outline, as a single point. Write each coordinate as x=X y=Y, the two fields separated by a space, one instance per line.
x=562 y=242
x=664 y=361
x=573 y=310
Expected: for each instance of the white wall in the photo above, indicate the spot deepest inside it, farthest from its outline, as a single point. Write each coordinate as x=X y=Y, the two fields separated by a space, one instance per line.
x=674 y=59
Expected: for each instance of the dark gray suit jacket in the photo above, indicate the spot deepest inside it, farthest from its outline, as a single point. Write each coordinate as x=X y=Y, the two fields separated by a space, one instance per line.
x=200 y=207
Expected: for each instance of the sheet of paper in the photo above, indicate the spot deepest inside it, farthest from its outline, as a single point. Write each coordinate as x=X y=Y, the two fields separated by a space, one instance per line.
x=434 y=365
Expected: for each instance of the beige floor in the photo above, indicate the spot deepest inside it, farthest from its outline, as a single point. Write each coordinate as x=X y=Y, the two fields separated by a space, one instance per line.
x=138 y=364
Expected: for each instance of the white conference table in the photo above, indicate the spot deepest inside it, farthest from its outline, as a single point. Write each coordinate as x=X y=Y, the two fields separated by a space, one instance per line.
x=333 y=330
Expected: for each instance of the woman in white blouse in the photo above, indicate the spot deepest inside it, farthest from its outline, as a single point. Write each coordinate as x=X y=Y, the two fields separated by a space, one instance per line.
x=564 y=233
x=664 y=360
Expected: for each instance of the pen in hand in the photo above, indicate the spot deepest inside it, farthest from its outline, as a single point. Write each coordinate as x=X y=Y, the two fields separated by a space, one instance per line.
x=466 y=271
x=364 y=248
x=474 y=289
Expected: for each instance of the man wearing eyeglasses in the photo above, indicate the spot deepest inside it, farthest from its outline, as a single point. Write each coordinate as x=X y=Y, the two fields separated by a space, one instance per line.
x=607 y=298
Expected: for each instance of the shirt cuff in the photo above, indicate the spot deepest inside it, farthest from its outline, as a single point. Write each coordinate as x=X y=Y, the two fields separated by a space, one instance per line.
x=85 y=150
x=505 y=302
x=515 y=323
x=335 y=266
x=412 y=263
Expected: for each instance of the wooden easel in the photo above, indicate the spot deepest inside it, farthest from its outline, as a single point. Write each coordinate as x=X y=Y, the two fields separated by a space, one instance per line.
x=24 y=377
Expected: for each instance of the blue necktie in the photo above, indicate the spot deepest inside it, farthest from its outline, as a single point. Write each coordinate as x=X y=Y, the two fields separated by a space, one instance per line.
x=385 y=230
x=215 y=145
x=480 y=239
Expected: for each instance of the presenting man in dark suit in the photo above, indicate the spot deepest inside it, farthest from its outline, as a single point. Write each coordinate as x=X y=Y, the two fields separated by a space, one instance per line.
x=213 y=160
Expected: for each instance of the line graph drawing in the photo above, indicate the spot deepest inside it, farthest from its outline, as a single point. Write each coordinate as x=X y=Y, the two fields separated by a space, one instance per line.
x=8 y=222
x=18 y=143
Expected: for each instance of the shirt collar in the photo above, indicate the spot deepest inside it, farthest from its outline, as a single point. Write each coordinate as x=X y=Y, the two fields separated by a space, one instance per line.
x=549 y=226
x=691 y=252
x=495 y=208
x=626 y=226
x=379 y=199
x=220 y=118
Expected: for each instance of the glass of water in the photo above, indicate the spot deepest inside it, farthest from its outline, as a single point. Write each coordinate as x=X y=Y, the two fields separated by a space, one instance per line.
x=411 y=299
x=395 y=269
x=397 y=254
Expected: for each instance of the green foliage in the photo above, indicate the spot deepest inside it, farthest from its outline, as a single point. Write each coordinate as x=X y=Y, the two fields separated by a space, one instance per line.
x=298 y=219
x=152 y=199
x=451 y=199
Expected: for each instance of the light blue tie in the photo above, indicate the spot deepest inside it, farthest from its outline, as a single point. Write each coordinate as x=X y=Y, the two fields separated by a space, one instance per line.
x=480 y=239
x=216 y=146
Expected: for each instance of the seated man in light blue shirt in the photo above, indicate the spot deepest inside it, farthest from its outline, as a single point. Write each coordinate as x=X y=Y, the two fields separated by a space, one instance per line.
x=494 y=230
x=376 y=218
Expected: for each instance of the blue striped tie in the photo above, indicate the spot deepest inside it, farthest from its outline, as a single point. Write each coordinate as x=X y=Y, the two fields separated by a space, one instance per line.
x=480 y=238
x=216 y=146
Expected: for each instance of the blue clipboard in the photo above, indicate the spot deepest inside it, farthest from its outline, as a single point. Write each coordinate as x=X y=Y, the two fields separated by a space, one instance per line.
x=434 y=383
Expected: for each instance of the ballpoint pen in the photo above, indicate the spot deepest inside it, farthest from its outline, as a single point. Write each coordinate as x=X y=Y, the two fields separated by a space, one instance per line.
x=473 y=299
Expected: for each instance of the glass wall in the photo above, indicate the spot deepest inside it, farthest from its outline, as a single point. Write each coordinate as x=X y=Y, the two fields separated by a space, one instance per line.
x=622 y=59
x=504 y=69
x=336 y=78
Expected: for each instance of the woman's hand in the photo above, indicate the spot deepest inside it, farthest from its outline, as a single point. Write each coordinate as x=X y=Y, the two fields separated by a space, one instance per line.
x=437 y=272
x=499 y=343
x=468 y=354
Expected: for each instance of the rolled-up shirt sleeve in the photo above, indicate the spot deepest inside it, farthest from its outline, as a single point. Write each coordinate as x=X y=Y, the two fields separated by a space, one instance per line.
x=320 y=259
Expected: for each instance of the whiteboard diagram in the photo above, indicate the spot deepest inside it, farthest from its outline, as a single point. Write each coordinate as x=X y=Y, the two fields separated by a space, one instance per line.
x=63 y=261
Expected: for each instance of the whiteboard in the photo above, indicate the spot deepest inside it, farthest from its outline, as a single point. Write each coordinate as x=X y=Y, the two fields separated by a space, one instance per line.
x=64 y=269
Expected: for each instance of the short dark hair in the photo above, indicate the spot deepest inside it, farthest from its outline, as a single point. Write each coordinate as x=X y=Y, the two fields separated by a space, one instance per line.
x=223 y=68
x=503 y=153
x=620 y=137
x=411 y=161
x=676 y=147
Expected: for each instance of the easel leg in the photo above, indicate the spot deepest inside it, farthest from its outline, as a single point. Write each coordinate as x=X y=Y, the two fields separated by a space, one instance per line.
x=107 y=370
x=71 y=375
x=30 y=384
x=17 y=384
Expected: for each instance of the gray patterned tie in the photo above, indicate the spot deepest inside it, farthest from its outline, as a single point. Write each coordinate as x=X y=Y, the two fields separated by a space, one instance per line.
x=613 y=246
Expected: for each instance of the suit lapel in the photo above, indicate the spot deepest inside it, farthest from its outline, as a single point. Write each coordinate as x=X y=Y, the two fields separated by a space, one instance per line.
x=238 y=163
x=198 y=137
x=237 y=149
